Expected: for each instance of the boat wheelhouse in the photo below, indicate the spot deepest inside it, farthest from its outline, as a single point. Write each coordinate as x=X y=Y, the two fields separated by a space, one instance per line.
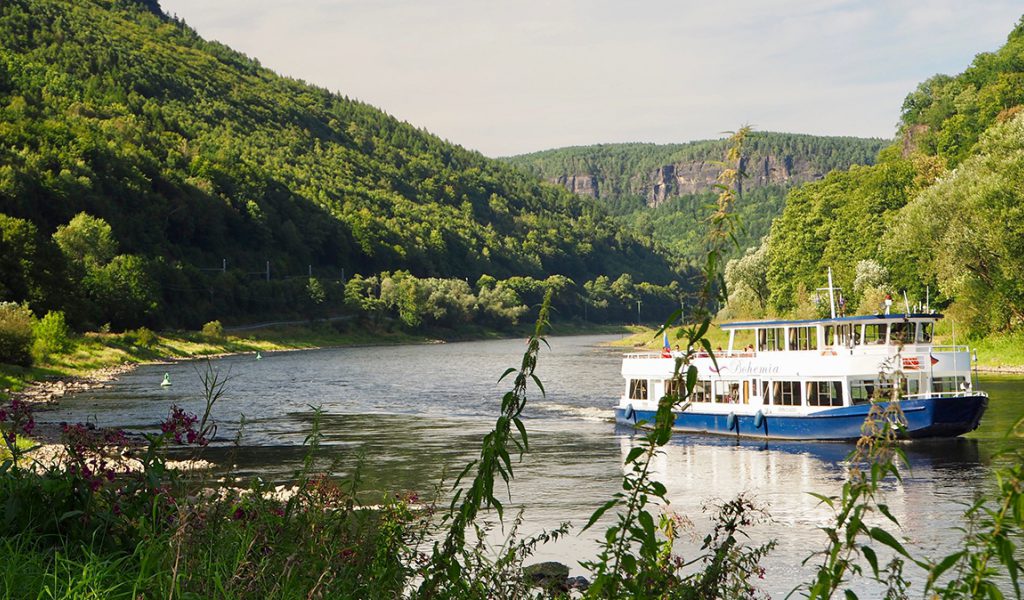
x=814 y=379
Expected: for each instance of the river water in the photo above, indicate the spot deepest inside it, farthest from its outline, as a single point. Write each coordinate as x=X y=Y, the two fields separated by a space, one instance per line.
x=413 y=413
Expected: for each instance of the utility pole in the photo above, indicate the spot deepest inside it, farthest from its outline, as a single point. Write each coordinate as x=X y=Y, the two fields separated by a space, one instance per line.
x=268 y=270
x=310 y=271
x=224 y=265
x=637 y=311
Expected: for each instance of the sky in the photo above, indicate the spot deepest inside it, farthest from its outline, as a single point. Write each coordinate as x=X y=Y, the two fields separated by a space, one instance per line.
x=513 y=76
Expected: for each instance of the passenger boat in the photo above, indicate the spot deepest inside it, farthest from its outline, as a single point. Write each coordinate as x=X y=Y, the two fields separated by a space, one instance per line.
x=814 y=380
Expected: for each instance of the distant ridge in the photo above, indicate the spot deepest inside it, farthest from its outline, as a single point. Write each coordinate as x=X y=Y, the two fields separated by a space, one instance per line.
x=661 y=190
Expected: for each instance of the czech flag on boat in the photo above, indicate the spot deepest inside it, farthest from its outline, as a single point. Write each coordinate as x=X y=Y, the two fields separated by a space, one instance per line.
x=666 y=352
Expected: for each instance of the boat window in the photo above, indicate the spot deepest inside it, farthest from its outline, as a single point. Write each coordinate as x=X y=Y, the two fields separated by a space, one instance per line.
x=765 y=386
x=839 y=335
x=874 y=333
x=675 y=387
x=949 y=384
x=865 y=390
x=825 y=393
x=901 y=333
x=637 y=389
x=924 y=333
x=861 y=390
x=727 y=391
x=786 y=393
x=803 y=338
x=702 y=391
x=910 y=386
x=772 y=338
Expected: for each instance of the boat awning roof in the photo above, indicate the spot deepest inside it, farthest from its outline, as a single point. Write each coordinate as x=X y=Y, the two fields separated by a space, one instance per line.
x=837 y=320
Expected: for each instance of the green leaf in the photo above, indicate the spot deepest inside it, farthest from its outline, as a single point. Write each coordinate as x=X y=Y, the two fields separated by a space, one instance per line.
x=943 y=566
x=633 y=454
x=600 y=511
x=884 y=537
x=522 y=432
x=507 y=372
x=850 y=595
x=539 y=384
x=869 y=554
x=884 y=508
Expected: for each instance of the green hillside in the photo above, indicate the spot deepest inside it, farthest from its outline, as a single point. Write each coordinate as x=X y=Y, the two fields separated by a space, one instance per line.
x=661 y=190
x=939 y=217
x=194 y=154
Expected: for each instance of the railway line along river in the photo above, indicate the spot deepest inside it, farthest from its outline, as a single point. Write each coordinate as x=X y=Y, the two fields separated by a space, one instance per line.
x=411 y=413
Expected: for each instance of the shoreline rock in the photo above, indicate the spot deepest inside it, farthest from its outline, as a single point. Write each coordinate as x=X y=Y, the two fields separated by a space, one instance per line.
x=49 y=390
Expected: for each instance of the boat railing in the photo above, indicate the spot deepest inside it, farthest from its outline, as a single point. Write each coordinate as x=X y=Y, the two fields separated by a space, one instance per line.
x=956 y=394
x=950 y=348
x=697 y=354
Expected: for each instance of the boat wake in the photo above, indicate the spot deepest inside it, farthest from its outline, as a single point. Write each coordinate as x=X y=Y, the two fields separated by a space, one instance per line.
x=586 y=413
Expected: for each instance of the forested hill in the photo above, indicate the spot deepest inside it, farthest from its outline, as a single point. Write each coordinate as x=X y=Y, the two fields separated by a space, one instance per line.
x=194 y=153
x=938 y=217
x=661 y=191
x=654 y=173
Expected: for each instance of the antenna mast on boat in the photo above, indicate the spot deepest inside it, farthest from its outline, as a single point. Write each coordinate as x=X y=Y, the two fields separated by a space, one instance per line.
x=831 y=294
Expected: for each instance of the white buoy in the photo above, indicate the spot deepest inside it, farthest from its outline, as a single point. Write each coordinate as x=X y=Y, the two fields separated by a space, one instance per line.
x=167 y=380
x=258 y=355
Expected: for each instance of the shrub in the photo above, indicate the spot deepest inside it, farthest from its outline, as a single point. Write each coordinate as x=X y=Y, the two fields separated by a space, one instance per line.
x=145 y=337
x=15 y=334
x=52 y=335
x=213 y=331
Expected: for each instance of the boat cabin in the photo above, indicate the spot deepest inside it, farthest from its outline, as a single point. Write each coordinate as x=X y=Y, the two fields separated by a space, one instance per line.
x=809 y=365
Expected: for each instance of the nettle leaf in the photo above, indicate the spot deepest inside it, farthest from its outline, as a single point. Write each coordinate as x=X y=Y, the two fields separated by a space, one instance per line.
x=634 y=453
x=884 y=537
x=884 y=508
x=600 y=512
x=943 y=566
x=872 y=559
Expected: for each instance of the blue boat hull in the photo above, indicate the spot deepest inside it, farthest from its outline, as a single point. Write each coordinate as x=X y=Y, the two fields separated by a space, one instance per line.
x=925 y=418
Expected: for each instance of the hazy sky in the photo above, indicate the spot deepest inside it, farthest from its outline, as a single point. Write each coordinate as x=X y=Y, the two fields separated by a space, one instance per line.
x=512 y=76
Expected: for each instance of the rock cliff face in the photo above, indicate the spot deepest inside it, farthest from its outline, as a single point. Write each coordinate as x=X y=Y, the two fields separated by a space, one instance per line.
x=583 y=185
x=697 y=176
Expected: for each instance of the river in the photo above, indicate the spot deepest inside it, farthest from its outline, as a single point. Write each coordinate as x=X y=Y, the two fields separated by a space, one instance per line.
x=413 y=413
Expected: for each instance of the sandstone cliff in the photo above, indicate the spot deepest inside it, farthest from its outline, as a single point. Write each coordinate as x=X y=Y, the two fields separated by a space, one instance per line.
x=697 y=176
x=658 y=172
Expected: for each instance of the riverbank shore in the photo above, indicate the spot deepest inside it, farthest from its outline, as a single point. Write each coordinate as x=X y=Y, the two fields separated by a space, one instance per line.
x=98 y=358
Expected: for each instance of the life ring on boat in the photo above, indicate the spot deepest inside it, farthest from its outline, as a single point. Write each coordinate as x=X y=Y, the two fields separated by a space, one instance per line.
x=758 y=420
x=731 y=423
x=630 y=414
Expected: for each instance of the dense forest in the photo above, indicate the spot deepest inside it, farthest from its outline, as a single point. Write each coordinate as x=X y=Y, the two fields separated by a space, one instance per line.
x=148 y=176
x=661 y=190
x=939 y=217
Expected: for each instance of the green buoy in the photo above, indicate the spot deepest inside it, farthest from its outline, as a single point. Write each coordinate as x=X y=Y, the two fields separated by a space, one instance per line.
x=167 y=380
